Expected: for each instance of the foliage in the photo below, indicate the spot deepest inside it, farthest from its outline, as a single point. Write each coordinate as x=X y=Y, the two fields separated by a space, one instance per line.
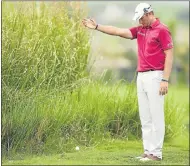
x=43 y=45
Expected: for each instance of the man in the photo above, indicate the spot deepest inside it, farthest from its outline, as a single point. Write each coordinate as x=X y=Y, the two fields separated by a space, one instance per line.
x=155 y=58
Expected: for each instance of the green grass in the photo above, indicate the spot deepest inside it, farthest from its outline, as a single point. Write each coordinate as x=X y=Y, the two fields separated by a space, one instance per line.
x=180 y=93
x=44 y=49
x=112 y=152
x=44 y=45
x=55 y=121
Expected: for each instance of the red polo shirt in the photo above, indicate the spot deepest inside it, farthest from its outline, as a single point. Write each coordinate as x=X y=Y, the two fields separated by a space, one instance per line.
x=152 y=41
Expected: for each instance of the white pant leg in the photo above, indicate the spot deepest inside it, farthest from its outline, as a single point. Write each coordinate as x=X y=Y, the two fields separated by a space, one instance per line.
x=144 y=113
x=156 y=105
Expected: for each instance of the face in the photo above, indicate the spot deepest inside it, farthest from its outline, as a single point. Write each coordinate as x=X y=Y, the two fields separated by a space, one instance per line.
x=144 y=20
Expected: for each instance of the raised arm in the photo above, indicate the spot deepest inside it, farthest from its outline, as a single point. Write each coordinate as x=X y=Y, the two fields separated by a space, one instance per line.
x=110 y=30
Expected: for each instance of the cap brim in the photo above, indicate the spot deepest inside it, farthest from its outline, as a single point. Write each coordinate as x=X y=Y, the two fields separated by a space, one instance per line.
x=136 y=17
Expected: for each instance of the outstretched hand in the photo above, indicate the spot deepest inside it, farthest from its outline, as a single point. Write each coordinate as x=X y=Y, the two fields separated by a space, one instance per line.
x=89 y=23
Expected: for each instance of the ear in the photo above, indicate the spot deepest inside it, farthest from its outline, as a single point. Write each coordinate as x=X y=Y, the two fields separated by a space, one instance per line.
x=151 y=13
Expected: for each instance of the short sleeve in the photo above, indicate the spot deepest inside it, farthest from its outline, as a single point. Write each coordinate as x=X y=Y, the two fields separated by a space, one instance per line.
x=165 y=39
x=134 y=32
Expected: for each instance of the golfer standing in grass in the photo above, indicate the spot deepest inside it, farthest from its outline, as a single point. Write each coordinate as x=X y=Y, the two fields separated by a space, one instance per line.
x=155 y=59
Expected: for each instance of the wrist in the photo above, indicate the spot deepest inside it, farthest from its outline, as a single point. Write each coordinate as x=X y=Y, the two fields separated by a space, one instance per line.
x=96 y=26
x=164 y=80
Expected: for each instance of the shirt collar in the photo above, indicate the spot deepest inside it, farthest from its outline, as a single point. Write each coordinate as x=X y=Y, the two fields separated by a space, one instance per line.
x=154 y=24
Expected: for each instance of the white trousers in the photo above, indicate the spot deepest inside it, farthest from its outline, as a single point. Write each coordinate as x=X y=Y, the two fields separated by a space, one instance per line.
x=151 y=111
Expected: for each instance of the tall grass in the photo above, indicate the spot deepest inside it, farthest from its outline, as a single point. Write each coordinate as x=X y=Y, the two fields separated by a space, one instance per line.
x=44 y=44
x=44 y=47
x=58 y=121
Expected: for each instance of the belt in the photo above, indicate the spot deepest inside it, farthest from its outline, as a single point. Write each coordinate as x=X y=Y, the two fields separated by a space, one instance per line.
x=146 y=71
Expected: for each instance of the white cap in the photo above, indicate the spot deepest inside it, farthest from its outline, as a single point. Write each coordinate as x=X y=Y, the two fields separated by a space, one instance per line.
x=141 y=9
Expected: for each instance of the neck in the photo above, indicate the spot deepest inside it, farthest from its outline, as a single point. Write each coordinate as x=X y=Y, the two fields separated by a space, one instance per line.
x=152 y=20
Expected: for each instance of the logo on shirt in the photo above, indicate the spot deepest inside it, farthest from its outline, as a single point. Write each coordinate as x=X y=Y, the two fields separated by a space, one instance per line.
x=141 y=33
x=170 y=44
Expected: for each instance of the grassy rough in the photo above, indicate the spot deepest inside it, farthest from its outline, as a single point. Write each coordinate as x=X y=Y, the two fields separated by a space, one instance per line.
x=110 y=152
x=60 y=119
x=43 y=45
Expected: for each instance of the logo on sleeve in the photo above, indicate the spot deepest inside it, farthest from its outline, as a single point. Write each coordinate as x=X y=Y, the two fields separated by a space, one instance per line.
x=170 y=44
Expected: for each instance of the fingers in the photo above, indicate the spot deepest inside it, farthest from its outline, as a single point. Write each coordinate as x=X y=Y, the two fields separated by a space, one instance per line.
x=88 y=20
x=163 y=88
x=163 y=91
x=90 y=23
x=92 y=20
x=84 y=22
